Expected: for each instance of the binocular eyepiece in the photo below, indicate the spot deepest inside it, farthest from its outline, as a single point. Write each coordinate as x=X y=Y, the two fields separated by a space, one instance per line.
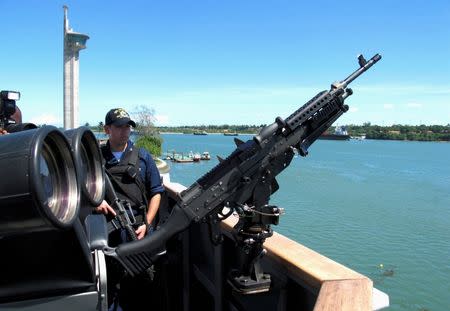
x=48 y=175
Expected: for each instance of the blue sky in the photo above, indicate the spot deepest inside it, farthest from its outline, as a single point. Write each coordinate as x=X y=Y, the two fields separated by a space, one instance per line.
x=230 y=62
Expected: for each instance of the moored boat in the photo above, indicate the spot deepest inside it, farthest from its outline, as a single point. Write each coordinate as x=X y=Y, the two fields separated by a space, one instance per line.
x=183 y=160
x=196 y=157
x=205 y=156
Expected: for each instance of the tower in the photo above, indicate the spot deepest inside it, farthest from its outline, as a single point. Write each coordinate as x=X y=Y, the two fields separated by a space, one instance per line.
x=73 y=43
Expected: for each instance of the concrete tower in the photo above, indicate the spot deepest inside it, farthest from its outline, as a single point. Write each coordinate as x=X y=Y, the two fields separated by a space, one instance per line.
x=73 y=43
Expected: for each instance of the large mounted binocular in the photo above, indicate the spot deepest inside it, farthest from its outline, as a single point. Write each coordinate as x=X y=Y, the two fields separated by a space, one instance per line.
x=47 y=175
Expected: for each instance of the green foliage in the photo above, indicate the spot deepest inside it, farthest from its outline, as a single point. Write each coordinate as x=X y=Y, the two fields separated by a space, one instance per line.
x=393 y=132
x=151 y=143
x=148 y=137
x=402 y=132
x=243 y=129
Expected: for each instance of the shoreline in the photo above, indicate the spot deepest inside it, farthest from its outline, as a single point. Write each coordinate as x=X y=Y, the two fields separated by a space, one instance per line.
x=247 y=134
x=176 y=133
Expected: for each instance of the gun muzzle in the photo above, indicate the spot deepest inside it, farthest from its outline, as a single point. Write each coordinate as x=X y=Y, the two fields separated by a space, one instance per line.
x=362 y=69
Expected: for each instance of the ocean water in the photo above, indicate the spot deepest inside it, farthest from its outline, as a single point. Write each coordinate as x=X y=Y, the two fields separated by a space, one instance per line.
x=381 y=208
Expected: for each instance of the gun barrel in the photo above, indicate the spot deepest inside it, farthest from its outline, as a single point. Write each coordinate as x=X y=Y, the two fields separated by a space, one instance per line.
x=358 y=72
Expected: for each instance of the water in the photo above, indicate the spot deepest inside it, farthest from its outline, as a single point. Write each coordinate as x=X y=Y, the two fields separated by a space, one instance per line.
x=363 y=204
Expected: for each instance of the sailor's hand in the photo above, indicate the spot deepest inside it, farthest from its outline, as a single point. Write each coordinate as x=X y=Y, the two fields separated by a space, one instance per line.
x=140 y=231
x=105 y=208
x=3 y=132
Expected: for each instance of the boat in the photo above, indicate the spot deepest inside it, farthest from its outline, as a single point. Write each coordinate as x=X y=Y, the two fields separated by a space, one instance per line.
x=340 y=133
x=170 y=155
x=230 y=134
x=360 y=137
x=180 y=158
x=205 y=156
x=200 y=133
x=183 y=160
x=194 y=156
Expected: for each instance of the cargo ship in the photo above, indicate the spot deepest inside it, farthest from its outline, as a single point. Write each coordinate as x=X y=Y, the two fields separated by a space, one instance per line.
x=340 y=133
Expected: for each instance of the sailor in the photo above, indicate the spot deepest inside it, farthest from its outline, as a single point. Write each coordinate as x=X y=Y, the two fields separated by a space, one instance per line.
x=136 y=180
x=133 y=172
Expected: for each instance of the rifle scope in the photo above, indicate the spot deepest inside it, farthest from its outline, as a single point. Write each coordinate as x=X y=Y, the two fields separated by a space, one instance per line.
x=88 y=160
x=39 y=188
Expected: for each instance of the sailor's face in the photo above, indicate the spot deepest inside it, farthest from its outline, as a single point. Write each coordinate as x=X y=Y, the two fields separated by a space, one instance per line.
x=118 y=135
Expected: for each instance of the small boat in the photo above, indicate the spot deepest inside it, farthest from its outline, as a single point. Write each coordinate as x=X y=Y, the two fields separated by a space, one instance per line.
x=195 y=156
x=230 y=134
x=362 y=137
x=205 y=156
x=201 y=133
x=183 y=160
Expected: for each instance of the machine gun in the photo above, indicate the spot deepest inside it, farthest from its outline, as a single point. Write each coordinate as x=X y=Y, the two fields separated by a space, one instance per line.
x=244 y=182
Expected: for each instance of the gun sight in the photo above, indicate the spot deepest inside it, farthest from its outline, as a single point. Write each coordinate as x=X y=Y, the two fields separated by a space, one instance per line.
x=364 y=65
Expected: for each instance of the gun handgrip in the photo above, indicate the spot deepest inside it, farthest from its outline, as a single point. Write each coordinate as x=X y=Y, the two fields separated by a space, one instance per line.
x=138 y=256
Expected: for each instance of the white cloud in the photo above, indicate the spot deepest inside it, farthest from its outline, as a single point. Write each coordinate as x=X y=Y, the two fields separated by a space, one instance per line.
x=388 y=106
x=49 y=119
x=353 y=109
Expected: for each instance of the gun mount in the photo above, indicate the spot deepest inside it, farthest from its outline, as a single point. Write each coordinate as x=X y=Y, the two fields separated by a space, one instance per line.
x=246 y=178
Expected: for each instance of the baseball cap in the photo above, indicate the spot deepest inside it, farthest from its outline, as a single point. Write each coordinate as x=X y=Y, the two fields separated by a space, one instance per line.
x=118 y=117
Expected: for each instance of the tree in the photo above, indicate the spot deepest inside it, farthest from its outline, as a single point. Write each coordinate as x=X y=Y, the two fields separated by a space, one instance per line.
x=151 y=143
x=146 y=130
x=145 y=118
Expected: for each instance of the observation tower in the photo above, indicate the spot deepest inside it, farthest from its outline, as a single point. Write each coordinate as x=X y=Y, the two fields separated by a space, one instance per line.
x=73 y=43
